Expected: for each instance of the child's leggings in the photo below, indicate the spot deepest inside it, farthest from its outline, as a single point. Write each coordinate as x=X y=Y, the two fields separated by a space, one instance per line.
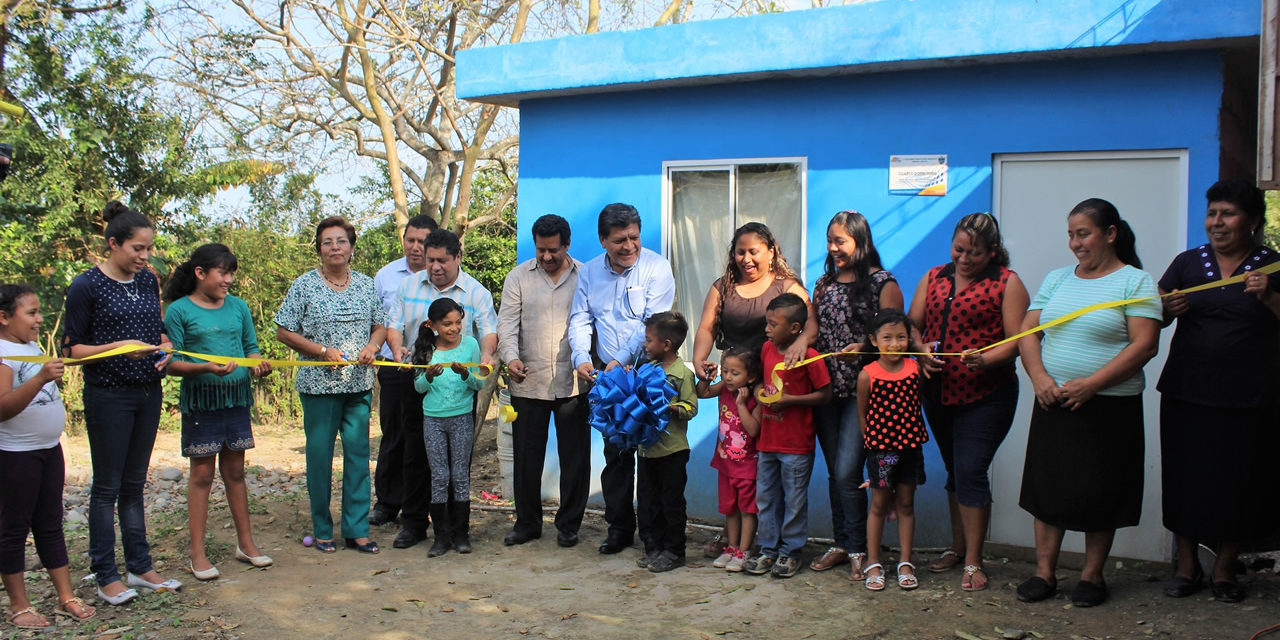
x=449 y=441
x=31 y=500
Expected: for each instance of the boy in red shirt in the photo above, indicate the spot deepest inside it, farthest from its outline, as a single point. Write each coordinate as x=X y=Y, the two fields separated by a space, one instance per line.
x=786 y=442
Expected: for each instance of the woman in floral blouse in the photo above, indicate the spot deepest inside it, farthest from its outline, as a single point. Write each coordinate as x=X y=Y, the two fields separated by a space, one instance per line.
x=852 y=289
x=333 y=314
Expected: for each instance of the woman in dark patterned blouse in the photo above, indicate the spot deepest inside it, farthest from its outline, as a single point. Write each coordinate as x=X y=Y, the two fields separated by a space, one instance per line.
x=852 y=289
x=114 y=304
x=969 y=303
x=1218 y=392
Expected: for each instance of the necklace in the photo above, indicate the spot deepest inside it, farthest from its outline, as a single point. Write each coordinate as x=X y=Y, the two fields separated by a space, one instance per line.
x=132 y=292
x=336 y=285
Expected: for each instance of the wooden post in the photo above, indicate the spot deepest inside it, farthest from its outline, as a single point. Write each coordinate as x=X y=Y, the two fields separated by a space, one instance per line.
x=1268 y=65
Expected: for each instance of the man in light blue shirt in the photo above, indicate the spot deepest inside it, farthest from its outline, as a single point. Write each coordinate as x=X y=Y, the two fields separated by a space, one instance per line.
x=616 y=293
x=442 y=278
x=399 y=406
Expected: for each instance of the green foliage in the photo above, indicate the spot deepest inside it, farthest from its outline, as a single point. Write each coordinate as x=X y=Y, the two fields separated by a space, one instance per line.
x=490 y=249
x=1272 y=229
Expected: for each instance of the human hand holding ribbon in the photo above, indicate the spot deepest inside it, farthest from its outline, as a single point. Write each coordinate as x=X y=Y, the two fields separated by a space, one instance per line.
x=776 y=379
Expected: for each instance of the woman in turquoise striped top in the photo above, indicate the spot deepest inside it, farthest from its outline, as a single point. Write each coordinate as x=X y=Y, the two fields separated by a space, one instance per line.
x=1084 y=464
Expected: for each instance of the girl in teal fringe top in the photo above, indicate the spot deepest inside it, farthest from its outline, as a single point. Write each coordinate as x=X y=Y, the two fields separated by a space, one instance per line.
x=215 y=399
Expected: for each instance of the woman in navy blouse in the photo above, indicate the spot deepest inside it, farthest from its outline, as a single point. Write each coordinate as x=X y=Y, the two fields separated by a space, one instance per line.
x=1218 y=408
x=114 y=304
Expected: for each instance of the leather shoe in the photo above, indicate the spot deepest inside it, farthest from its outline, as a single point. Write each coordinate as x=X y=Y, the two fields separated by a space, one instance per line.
x=615 y=543
x=1089 y=594
x=1182 y=586
x=1228 y=591
x=380 y=516
x=567 y=538
x=519 y=537
x=407 y=538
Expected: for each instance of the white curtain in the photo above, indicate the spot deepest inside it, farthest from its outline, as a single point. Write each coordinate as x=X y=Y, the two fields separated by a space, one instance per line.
x=771 y=193
x=701 y=226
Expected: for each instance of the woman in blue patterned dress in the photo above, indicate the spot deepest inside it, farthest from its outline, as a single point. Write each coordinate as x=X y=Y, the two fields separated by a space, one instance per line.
x=333 y=314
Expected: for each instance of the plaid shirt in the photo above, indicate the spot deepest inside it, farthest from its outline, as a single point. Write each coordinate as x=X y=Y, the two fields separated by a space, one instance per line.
x=416 y=294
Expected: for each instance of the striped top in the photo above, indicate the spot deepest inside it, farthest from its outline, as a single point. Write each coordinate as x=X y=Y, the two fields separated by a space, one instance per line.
x=1080 y=347
x=417 y=292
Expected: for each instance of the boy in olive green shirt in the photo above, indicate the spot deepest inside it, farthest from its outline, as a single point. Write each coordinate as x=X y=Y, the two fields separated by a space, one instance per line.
x=660 y=468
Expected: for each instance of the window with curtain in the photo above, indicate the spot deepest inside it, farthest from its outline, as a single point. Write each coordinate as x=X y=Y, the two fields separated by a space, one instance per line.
x=707 y=202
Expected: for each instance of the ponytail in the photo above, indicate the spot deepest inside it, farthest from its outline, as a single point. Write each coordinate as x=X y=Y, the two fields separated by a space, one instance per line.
x=121 y=222
x=206 y=256
x=1104 y=216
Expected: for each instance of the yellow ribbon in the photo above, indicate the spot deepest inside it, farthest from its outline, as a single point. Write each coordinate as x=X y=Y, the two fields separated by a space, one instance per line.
x=776 y=379
x=243 y=362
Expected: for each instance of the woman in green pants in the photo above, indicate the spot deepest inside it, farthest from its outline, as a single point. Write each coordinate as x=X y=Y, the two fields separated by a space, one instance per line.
x=333 y=314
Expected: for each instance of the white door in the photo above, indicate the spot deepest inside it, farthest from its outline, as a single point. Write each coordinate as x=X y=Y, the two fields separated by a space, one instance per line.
x=1033 y=194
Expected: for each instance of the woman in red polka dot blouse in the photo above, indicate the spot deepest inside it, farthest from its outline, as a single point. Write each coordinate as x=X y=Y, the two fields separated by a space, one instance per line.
x=968 y=303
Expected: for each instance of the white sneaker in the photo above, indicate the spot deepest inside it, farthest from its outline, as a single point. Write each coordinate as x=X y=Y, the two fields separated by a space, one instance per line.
x=723 y=559
x=735 y=565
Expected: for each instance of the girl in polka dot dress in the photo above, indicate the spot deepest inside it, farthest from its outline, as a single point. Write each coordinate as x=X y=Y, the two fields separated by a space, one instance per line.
x=893 y=433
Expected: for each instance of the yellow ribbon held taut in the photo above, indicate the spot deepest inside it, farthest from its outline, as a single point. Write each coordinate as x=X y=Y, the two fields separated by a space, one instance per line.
x=483 y=370
x=776 y=380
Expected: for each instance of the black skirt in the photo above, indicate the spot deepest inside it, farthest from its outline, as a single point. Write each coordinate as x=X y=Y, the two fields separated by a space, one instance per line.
x=1218 y=485
x=1084 y=468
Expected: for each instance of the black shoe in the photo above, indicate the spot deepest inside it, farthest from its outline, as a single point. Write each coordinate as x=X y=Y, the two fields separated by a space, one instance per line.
x=368 y=547
x=407 y=538
x=1181 y=587
x=1228 y=591
x=649 y=556
x=438 y=548
x=382 y=515
x=615 y=543
x=462 y=544
x=1035 y=589
x=665 y=561
x=567 y=538
x=519 y=537
x=1089 y=594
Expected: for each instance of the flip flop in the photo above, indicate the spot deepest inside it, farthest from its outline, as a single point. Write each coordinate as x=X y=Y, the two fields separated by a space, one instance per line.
x=966 y=583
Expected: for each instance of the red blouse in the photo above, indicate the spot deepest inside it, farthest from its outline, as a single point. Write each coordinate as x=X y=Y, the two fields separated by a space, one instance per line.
x=968 y=319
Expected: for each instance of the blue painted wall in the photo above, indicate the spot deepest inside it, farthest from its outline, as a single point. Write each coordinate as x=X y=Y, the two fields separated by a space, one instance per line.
x=580 y=153
x=887 y=33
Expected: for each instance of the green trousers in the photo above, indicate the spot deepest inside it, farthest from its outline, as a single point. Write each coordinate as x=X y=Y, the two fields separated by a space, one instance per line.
x=324 y=418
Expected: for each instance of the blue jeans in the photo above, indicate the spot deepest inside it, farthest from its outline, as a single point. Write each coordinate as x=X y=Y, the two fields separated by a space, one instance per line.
x=121 y=422
x=842 y=450
x=968 y=436
x=782 y=496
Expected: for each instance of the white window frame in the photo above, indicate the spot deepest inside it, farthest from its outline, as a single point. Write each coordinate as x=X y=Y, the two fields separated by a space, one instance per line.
x=799 y=263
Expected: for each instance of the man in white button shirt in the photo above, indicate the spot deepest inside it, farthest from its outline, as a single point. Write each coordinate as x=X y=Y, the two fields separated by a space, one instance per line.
x=616 y=293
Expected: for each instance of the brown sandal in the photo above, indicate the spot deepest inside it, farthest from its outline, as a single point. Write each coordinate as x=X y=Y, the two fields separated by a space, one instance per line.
x=945 y=562
x=85 y=611
x=14 y=615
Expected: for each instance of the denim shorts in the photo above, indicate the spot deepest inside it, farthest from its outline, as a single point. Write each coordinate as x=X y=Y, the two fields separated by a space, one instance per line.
x=208 y=433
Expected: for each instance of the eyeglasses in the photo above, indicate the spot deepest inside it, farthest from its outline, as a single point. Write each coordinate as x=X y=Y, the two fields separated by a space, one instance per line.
x=340 y=242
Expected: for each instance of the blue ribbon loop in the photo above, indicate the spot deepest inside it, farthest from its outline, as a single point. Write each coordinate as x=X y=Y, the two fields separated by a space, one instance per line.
x=629 y=408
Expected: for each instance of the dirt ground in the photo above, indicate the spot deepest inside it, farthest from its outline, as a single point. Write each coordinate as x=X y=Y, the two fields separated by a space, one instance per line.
x=542 y=590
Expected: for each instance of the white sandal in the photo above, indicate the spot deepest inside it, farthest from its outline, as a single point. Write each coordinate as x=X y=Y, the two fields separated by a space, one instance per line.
x=875 y=583
x=907 y=581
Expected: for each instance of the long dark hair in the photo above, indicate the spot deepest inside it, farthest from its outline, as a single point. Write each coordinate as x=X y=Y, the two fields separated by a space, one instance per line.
x=425 y=344
x=779 y=268
x=1104 y=216
x=865 y=257
x=206 y=256
x=121 y=222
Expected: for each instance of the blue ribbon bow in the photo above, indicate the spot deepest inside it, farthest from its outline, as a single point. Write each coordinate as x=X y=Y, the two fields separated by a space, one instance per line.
x=629 y=408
